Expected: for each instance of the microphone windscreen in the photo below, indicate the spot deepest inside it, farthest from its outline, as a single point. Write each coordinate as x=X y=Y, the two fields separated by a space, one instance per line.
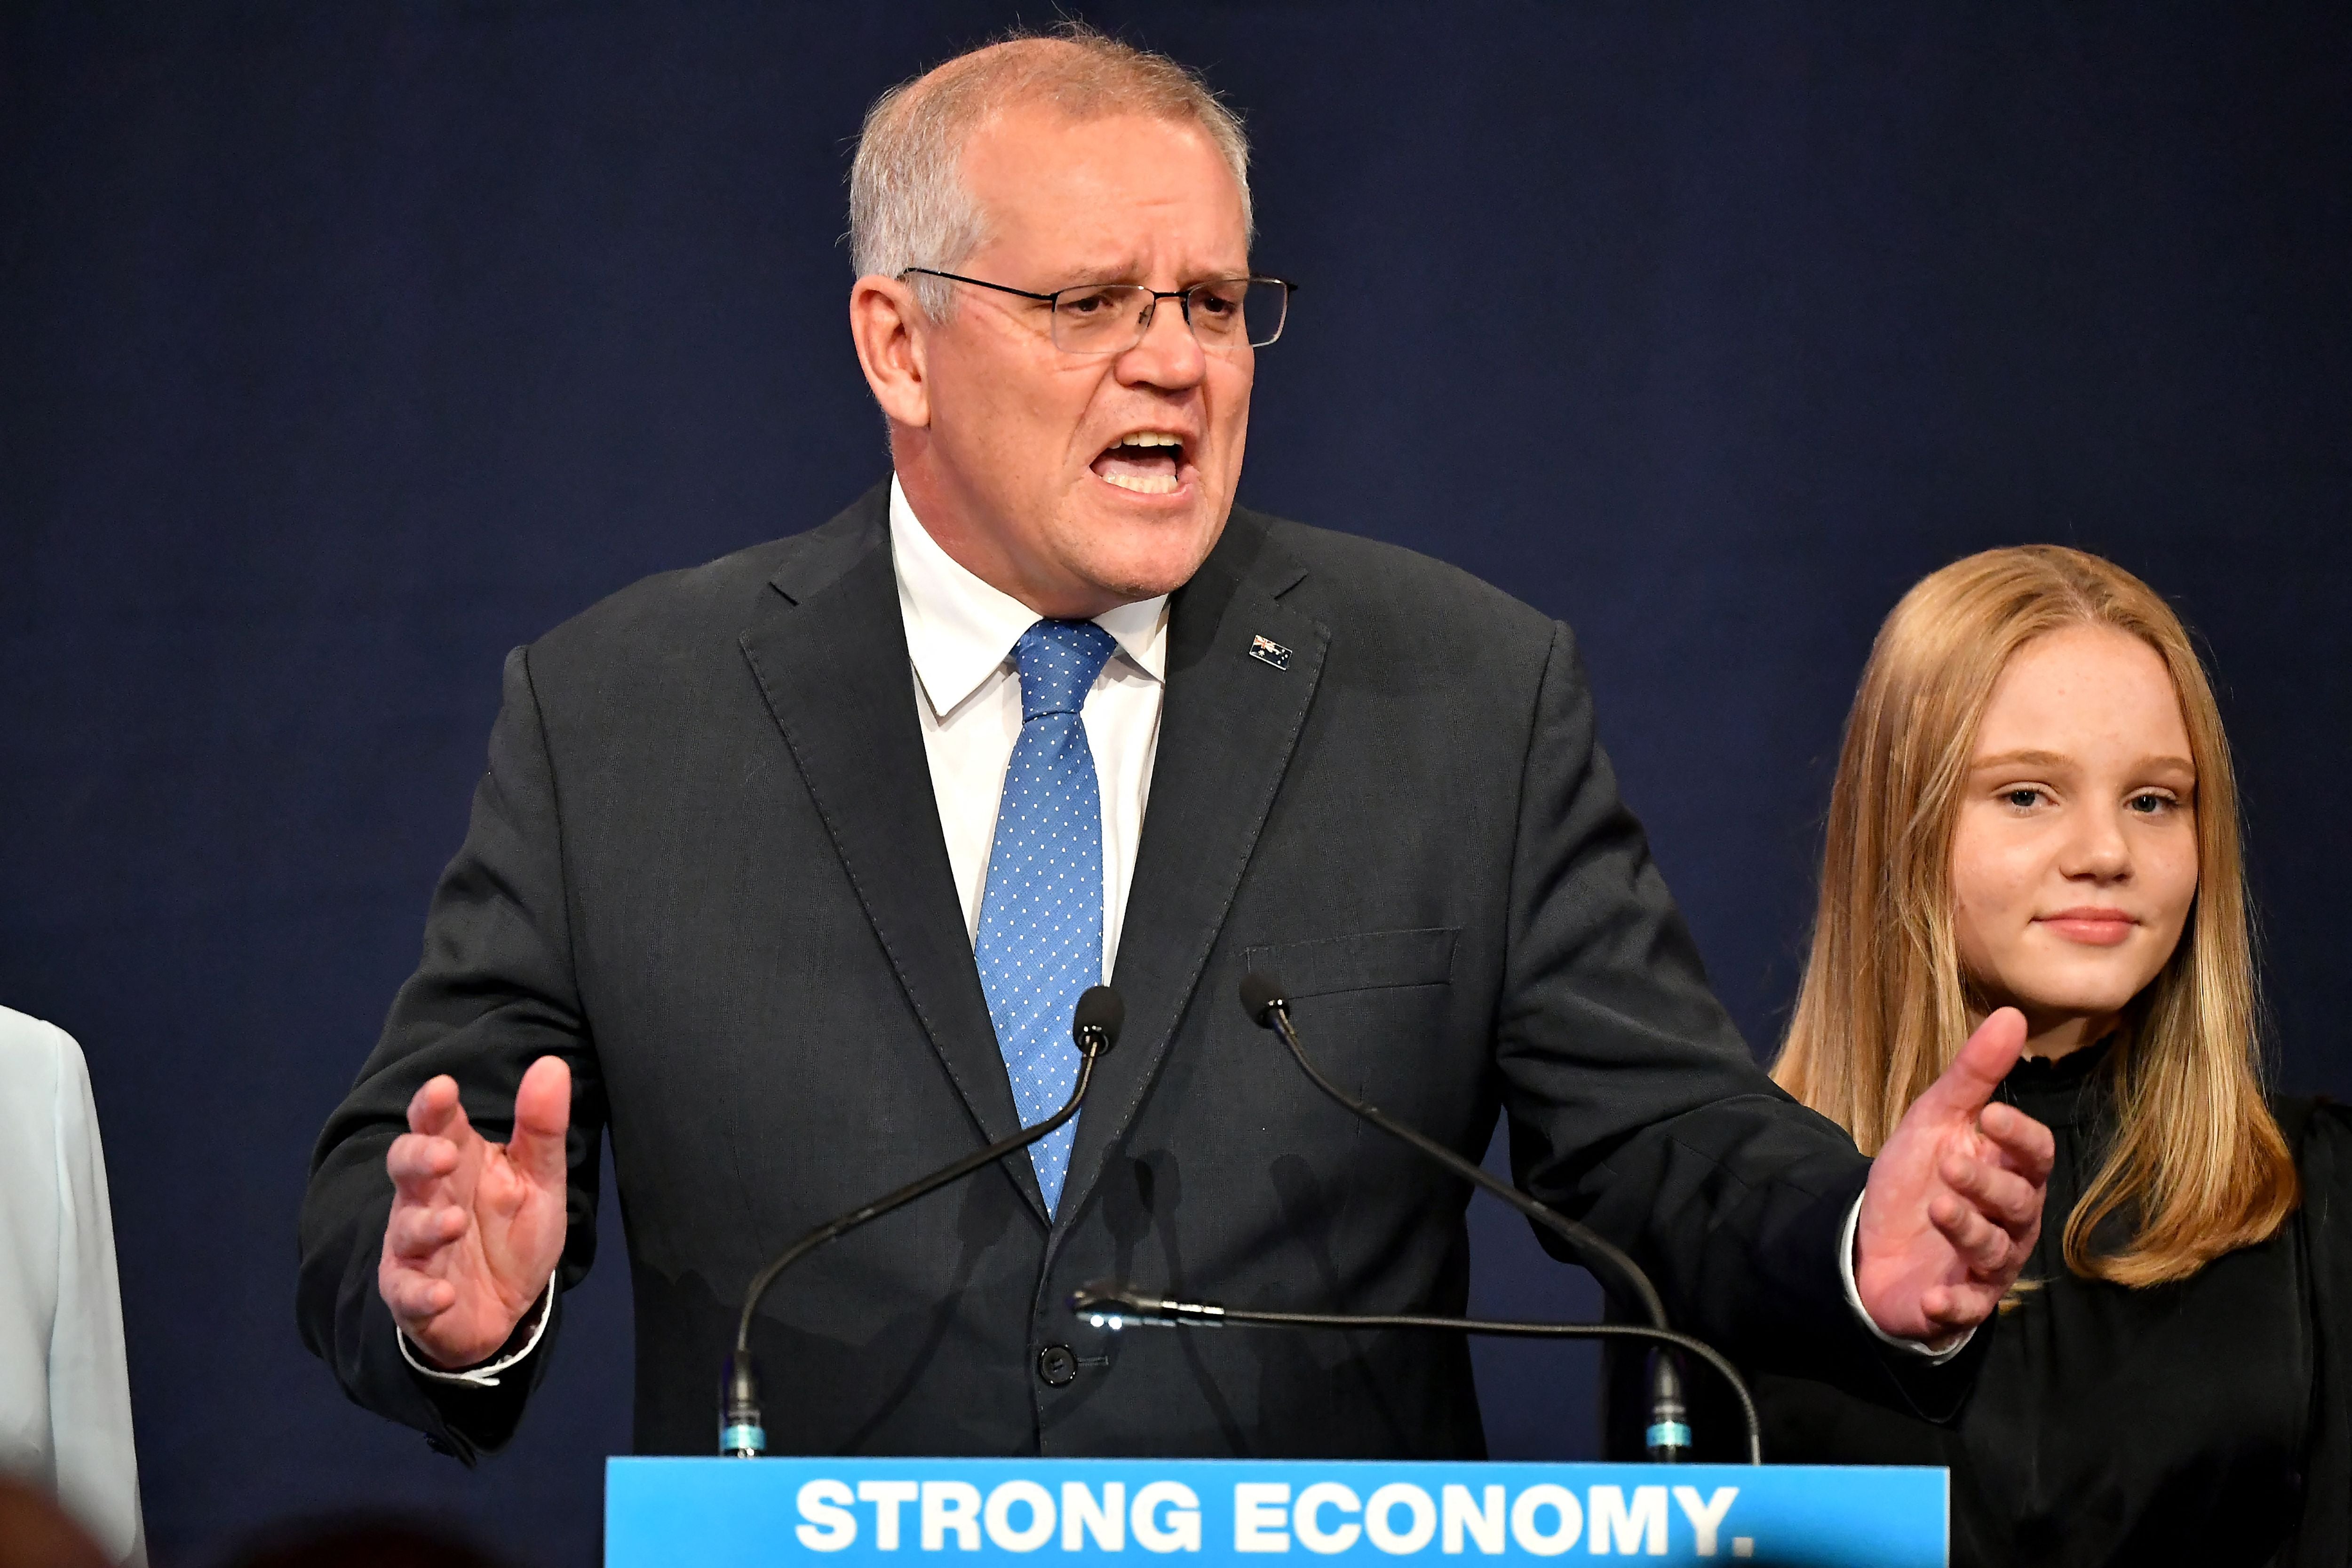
x=1261 y=994
x=1100 y=1009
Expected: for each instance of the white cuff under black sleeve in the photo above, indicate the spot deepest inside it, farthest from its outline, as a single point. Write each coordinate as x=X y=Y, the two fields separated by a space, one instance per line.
x=486 y=1375
x=1853 y=1300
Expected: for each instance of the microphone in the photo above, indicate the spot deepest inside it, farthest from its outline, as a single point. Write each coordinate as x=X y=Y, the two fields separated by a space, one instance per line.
x=1113 y=1304
x=1669 y=1434
x=1093 y=1026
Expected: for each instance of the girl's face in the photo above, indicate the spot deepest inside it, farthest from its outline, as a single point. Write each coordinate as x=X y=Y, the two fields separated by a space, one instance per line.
x=2075 y=858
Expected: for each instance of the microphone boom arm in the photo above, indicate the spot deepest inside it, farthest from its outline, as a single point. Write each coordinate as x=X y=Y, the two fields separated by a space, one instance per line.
x=1669 y=1432
x=833 y=1230
x=1587 y=1242
x=742 y=1430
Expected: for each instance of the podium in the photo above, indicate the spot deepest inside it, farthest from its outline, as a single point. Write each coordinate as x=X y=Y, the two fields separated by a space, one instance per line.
x=1246 y=1513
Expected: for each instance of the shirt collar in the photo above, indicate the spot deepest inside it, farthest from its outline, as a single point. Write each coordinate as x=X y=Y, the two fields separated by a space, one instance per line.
x=961 y=631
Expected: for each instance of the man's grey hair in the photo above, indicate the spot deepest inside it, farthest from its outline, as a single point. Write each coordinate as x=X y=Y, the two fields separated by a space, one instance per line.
x=908 y=203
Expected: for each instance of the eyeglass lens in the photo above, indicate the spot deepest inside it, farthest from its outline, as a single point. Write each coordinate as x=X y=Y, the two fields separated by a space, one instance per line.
x=1112 y=317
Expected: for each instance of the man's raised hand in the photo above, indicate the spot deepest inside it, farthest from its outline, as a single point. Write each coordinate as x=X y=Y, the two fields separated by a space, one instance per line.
x=476 y=1227
x=1954 y=1203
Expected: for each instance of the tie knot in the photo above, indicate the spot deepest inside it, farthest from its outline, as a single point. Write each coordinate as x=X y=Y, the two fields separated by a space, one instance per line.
x=1058 y=661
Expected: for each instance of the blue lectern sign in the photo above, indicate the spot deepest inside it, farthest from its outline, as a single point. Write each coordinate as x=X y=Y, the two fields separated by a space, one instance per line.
x=1190 y=1514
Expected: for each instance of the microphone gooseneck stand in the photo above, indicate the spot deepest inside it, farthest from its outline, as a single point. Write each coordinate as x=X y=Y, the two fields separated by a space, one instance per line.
x=1094 y=1025
x=1669 y=1435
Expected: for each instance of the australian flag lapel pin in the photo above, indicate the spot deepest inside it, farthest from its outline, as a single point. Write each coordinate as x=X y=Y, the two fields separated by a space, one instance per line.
x=1266 y=651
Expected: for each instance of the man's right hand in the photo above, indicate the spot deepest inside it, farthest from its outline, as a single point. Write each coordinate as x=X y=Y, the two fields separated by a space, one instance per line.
x=477 y=1227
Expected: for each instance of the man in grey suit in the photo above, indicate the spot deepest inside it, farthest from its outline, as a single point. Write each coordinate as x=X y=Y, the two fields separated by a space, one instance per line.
x=795 y=934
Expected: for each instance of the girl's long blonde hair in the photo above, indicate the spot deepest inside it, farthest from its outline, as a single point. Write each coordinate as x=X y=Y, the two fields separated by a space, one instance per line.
x=2198 y=1166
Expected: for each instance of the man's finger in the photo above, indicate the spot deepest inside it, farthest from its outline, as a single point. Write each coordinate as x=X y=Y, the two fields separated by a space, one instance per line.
x=416 y=1299
x=1968 y=1083
x=1983 y=1245
x=1956 y=1307
x=417 y=1234
x=1936 y=1306
x=2026 y=1142
x=433 y=1110
x=2003 y=1197
x=542 y=1116
x=416 y=1162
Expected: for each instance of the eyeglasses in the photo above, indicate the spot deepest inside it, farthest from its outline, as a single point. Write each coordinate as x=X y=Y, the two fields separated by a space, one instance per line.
x=1224 y=313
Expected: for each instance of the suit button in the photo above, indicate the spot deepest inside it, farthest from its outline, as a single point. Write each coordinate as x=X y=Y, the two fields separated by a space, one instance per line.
x=1057 y=1368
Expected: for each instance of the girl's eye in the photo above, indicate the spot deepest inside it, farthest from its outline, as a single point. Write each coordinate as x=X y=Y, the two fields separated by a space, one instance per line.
x=2149 y=805
x=2021 y=798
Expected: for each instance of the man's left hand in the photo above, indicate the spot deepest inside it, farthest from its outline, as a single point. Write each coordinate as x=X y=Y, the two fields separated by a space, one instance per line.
x=1954 y=1204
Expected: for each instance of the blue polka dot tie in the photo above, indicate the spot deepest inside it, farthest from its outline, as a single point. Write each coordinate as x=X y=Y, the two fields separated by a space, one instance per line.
x=1041 y=918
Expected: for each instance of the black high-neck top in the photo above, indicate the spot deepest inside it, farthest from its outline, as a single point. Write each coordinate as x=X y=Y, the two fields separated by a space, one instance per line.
x=2197 y=1422
x=2112 y=1425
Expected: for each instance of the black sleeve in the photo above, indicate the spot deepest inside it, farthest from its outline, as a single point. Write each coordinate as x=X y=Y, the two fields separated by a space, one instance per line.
x=1634 y=1103
x=2322 y=1537
x=494 y=991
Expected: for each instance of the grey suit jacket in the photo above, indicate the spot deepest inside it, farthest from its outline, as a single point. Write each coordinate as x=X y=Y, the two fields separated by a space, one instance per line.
x=705 y=866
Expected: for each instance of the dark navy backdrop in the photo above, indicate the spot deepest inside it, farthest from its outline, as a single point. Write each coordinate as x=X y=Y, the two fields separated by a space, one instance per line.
x=343 y=347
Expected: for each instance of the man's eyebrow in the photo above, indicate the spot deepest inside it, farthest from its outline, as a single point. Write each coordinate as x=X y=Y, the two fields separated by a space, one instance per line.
x=1106 y=268
x=1133 y=270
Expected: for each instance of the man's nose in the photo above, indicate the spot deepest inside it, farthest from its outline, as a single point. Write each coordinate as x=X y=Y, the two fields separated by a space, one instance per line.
x=1168 y=355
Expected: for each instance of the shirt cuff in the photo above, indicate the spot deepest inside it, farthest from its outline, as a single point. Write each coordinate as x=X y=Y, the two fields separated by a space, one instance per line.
x=486 y=1375
x=1934 y=1353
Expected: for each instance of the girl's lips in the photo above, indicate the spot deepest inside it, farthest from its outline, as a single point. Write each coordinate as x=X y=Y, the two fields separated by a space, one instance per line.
x=2092 y=927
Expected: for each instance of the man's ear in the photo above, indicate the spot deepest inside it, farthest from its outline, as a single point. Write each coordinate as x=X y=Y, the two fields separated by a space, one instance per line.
x=889 y=325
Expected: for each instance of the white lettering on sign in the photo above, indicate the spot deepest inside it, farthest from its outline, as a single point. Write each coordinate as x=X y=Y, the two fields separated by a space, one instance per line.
x=1307 y=1522
x=885 y=1497
x=1261 y=1509
x=1706 y=1518
x=1177 y=1530
x=1379 y=1519
x=1082 y=1516
x=831 y=1526
x=1567 y=1512
x=1483 y=1522
x=1398 y=1519
x=1641 y=1528
x=997 y=1517
x=951 y=1505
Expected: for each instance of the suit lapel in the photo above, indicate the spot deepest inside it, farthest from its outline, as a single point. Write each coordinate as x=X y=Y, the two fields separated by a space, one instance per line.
x=1227 y=728
x=829 y=655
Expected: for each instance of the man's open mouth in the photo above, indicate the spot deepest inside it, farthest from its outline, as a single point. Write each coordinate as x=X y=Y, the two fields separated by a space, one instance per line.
x=1148 y=462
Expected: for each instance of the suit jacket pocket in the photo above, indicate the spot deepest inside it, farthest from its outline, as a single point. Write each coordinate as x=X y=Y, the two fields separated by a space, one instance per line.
x=1368 y=961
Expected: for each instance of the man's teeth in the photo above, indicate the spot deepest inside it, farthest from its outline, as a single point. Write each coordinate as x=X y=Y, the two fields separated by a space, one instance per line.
x=1146 y=461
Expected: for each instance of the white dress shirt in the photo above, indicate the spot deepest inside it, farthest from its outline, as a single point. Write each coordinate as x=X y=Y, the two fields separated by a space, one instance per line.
x=64 y=1393
x=960 y=638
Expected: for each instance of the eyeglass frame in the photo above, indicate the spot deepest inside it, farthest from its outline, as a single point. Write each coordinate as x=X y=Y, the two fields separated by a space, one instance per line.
x=1052 y=301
